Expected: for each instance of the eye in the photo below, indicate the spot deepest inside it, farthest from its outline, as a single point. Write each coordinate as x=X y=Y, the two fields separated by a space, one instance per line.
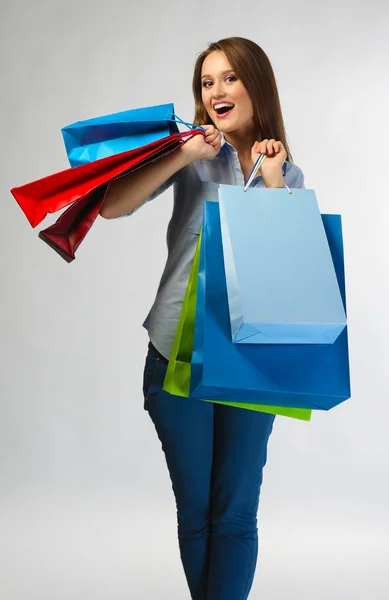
x=231 y=77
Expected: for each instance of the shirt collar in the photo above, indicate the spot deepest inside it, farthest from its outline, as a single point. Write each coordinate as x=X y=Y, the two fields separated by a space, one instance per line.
x=232 y=150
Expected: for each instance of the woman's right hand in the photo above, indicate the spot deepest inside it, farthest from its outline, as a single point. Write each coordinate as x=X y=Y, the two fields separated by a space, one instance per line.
x=204 y=146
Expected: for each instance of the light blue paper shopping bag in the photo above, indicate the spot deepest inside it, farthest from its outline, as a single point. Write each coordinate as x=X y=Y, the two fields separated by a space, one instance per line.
x=281 y=282
x=90 y=140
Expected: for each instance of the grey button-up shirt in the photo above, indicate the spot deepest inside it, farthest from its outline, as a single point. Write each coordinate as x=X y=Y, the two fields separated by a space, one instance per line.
x=192 y=185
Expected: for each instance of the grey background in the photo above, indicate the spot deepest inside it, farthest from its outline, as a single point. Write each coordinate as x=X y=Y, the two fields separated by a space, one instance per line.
x=86 y=505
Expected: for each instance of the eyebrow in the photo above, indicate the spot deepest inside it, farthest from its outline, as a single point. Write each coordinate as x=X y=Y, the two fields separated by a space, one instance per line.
x=223 y=73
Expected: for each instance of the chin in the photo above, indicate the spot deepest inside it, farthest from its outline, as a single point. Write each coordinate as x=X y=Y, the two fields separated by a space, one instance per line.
x=225 y=128
x=222 y=125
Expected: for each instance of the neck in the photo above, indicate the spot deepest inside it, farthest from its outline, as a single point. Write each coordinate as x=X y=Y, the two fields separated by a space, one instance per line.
x=243 y=141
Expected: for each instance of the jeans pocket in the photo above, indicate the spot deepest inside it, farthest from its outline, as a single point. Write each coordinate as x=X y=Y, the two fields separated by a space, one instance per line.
x=153 y=378
x=148 y=375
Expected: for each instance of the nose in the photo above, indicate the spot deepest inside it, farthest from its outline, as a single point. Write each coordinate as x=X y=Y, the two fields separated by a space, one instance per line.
x=218 y=91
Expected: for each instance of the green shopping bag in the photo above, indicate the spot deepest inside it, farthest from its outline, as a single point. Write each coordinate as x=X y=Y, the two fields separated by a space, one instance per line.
x=177 y=378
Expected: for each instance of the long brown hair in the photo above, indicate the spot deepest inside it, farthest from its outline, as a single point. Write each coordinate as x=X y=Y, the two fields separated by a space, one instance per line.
x=253 y=68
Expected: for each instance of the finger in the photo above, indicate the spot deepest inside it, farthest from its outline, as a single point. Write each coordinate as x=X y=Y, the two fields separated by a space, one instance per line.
x=262 y=146
x=271 y=149
x=215 y=136
x=269 y=146
x=210 y=139
x=209 y=128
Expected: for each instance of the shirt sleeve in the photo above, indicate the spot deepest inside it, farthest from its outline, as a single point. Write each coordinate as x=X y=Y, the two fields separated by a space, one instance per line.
x=294 y=177
x=162 y=188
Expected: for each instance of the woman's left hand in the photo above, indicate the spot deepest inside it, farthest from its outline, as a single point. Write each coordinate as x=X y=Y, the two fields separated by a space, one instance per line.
x=275 y=157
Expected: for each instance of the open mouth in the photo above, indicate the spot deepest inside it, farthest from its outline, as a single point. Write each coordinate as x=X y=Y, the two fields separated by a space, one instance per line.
x=224 y=109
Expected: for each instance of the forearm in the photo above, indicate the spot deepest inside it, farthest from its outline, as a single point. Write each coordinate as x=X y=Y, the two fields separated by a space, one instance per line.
x=129 y=191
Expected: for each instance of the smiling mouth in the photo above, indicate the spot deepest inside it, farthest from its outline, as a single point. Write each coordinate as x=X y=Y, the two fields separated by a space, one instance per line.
x=224 y=109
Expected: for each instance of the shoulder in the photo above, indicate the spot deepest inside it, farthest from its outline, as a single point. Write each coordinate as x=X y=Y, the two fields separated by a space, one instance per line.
x=291 y=168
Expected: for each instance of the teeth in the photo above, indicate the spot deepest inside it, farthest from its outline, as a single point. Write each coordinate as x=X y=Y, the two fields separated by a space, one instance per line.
x=222 y=104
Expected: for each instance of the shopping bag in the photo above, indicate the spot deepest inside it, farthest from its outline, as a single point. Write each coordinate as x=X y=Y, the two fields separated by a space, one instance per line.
x=67 y=233
x=281 y=282
x=90 y=140
x=313 y=376
x=49 y=194
x=177 y=378
x=52 y=193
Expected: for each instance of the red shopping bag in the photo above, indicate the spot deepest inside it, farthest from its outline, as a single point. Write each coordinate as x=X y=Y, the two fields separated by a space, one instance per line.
x=84 y=187
x=67 y=233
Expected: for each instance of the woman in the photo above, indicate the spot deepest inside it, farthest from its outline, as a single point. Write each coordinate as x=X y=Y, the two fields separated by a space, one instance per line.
x=215 y=453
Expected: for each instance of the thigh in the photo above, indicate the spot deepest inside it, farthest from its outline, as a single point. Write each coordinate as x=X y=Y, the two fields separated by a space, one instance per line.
x=240 y=454
x=185 y=430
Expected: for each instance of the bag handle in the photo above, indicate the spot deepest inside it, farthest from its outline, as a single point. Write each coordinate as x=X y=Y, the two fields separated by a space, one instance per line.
x=255 y=170
x=177 y=119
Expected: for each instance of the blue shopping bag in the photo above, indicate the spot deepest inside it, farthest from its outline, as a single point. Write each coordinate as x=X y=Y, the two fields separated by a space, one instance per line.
x=281 y=282
x=314 y=376
x=90 y=140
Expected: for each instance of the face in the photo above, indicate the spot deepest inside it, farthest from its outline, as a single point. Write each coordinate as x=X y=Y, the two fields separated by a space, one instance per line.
x=220 y=84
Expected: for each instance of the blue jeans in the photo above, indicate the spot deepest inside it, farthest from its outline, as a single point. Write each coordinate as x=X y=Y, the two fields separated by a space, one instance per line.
x=215 y=455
